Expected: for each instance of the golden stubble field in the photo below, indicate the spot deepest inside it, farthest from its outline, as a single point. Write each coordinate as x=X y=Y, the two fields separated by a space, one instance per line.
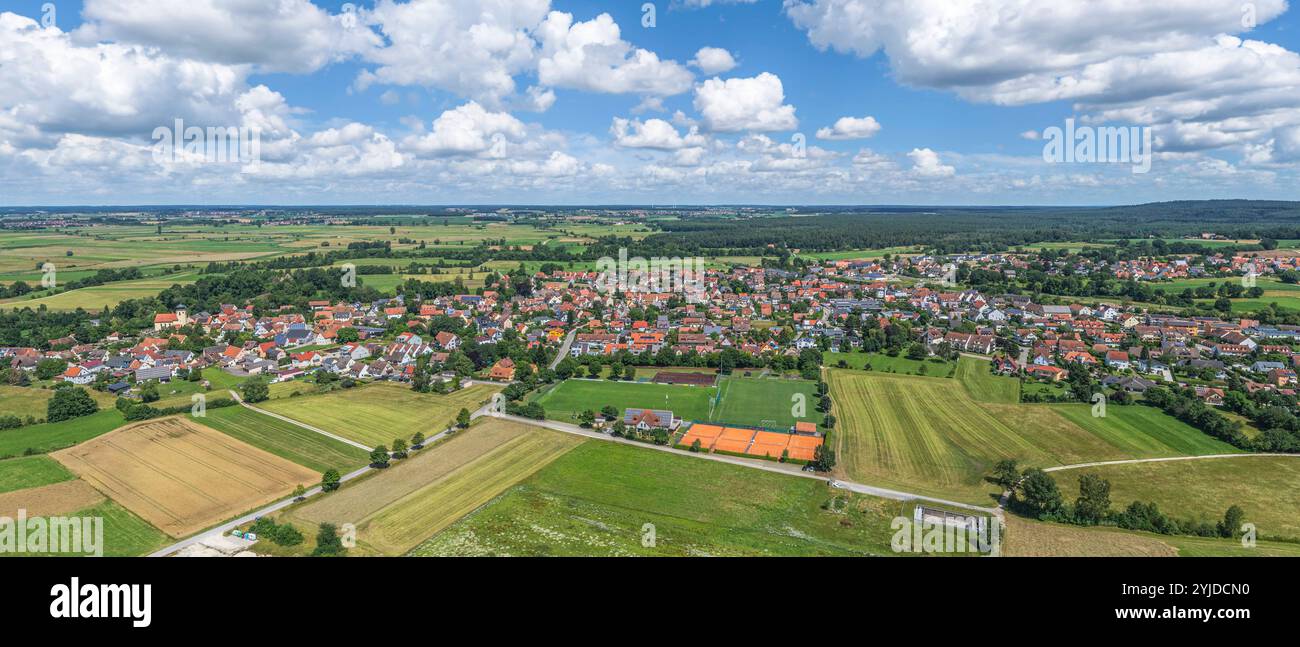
x=398 y=508
x=182 y=477
x=52 y=499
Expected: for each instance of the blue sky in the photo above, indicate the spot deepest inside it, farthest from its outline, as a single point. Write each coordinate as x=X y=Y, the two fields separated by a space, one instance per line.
x=404 y=105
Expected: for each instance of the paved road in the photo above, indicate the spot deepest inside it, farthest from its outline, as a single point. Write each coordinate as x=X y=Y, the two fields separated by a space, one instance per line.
x=295 y=422
x=564 y=348
x=1161 y=460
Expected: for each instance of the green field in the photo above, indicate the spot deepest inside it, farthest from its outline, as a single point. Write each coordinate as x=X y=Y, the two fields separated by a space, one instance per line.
x=125 y=535
x=110 y=294
x=33 y=471
x=883 y=363
x=1210 y=547
x=304 y=447
x=925 y=435
x=766 y=402
x=982 y=385
x=597 y=499
x=48 y=437
x=1029 y=538
x=1285 y=295
x=571 y=397
x=1239 y=306
x=1144 y=432
x=1176 y=286
x=1267 y=488
x=23 y=401
x=378 y=413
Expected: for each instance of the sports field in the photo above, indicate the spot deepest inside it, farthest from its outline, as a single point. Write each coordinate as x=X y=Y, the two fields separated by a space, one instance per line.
x=928 y=435
x=735 y=400
x=767 y=402
x=572 y=397
x=1267 y=488
x=766 y=444
x=182 y=477
x=604 y=499
x=304 y=447
x=378 y=413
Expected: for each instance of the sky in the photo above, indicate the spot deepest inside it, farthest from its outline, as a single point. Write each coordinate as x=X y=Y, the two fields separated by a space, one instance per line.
x=936 y=102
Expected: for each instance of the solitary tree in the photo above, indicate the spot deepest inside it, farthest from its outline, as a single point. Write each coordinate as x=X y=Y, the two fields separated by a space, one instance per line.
x=69 y=403
x=379 y=457
x=1232 y=520
x=1094 y=499
x=823 y=458
x=1042 y=496
x=418 y=439
x=1006 y=474
x=255 y=391
x=462 y=419
x=328 y=543
x=329 y=480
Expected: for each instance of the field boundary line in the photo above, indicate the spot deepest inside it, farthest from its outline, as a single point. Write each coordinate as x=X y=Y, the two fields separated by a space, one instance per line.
x=300 y=424
x=1133 y=461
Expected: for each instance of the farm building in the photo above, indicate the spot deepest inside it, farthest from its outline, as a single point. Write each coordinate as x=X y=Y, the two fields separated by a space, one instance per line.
x=645 y=419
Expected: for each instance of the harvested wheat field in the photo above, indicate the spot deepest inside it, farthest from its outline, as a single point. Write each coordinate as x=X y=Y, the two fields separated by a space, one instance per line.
x=419 y=515
x=1025 y=538
x=48 y=500
x=359 y=501
x=182 y=477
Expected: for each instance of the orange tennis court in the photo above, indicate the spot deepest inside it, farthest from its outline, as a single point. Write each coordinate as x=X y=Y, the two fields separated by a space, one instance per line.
x=770 y=444
x=802 y=447
x=753 y=442
x=706 y=434
x=734 y=440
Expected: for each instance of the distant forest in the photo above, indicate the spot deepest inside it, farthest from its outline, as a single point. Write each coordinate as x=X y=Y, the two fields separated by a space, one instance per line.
x=952 y=230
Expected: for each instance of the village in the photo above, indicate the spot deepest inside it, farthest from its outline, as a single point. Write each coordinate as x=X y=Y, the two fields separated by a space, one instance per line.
x=759 y=314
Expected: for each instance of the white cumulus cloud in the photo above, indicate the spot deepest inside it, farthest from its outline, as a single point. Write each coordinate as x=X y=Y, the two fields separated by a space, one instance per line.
x=745 y=104
x=850 y=128
x=713 y=60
